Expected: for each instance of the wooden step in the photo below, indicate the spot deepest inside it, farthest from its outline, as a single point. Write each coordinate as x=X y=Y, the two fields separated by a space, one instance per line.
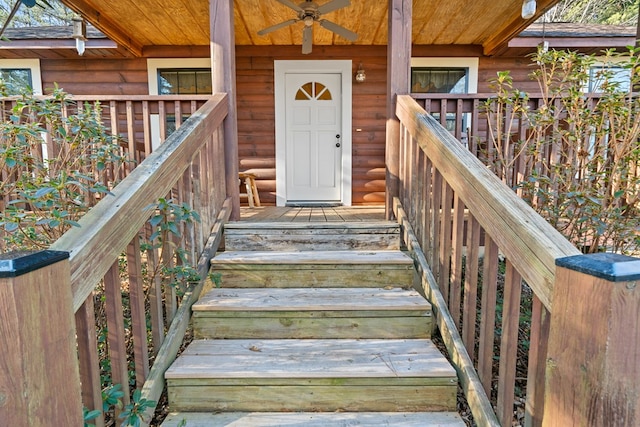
x=247 y=269
x=312 y=313
x=313 y=419
x=311 y=236
x=312 y=375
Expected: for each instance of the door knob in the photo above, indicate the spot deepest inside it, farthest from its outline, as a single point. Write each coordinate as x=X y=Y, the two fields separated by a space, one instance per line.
x=337 y=144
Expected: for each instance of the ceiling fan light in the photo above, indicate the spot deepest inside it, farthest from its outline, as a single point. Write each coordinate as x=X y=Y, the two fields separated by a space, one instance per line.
x=308 y=20
x=528 y=9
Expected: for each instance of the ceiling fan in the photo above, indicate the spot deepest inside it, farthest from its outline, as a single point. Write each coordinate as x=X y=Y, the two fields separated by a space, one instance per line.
x=310 y=12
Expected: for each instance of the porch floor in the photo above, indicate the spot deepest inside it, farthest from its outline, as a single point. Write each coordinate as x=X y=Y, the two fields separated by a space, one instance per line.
x=312 y=214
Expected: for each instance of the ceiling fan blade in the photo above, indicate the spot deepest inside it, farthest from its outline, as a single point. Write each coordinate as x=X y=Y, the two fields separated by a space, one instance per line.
x=307 y=40
x=291 y=5
x=333 y=5
x=277 y=27
x=339 y=30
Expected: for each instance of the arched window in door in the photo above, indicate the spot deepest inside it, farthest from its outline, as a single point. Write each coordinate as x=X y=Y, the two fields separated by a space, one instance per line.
x=313 y=90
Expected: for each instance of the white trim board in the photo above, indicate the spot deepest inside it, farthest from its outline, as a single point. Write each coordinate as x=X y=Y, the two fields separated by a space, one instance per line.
x=281 y=68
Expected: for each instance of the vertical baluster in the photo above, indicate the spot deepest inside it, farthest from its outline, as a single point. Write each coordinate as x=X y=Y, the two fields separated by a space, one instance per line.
x=444 y=266
x=471 y=286
x=509 y=344
x=115 y=331
x=488 y=313
x=89 y=359
x=538 y=343
x=146 y=128
x=138 y=316
x=437 y=214
x=456 y=260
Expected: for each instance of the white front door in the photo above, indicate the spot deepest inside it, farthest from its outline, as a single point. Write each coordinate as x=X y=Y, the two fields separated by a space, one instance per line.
x=313 y=132
x=314 y=137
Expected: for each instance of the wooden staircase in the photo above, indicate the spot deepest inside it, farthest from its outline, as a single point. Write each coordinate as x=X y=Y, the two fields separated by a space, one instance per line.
x=315 y=324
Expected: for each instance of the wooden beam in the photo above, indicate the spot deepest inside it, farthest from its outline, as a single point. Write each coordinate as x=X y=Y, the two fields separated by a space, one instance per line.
x=498 y=42
x=223 y=74
x=398 y=70
x=107 y=27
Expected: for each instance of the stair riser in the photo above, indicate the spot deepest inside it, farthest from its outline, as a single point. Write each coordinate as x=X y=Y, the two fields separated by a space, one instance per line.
x=313 y=325
x=356 y=398
x=279 y=276
x=291 y=241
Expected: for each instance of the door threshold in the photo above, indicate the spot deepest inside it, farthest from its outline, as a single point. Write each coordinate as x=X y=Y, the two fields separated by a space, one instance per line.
x=313 y=204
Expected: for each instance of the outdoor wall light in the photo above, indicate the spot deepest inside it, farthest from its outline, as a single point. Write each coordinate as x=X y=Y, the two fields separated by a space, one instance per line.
x=360 y=74
x=79 y=33
x=528 y=9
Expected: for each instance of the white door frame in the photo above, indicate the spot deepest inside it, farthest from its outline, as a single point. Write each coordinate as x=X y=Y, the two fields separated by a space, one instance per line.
x=281 y=68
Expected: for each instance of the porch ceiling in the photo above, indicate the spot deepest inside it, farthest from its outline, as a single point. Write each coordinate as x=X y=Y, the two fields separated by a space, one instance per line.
x=142 y=24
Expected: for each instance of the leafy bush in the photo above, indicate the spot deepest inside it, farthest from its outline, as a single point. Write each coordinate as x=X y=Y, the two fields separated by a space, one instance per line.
x=57 y=160
x=574 y=156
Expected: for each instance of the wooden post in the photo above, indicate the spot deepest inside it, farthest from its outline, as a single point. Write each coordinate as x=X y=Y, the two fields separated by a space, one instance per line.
x=593 y=360
x=39 y=376
x=223 y=74
x=398 y=71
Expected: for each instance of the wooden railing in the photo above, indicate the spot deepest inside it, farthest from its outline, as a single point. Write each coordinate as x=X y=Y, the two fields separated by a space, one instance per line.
x=105 y=250
x=486 y=258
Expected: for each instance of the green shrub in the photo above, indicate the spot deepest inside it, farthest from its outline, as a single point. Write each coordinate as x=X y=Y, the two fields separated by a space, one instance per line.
x=575 y=156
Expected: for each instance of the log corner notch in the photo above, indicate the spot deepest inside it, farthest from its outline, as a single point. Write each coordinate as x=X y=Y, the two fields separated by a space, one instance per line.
x=593 y=361
x=39 y=375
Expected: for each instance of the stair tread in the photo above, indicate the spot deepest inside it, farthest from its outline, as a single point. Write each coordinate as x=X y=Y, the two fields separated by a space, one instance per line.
x=391 y=257
x=299 y=299
x=311 y=358
x=314 y=419
x=345 y=226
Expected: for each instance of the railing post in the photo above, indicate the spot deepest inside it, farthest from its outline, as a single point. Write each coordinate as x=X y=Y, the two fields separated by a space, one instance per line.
x=39 y=377
x=593 y=360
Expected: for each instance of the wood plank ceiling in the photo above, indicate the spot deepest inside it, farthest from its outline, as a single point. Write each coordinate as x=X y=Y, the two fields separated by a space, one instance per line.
x=144 y=23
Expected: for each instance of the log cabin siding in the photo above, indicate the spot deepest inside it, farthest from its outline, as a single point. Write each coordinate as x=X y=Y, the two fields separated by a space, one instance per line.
x=256 y=109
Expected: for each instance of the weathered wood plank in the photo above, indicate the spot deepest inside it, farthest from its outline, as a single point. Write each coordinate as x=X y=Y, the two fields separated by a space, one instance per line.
x=310 y=299
x=375 y=397
x=279 y=276
x=272 y=359
x=346 y=258
x=315 y=419
x=328 y=325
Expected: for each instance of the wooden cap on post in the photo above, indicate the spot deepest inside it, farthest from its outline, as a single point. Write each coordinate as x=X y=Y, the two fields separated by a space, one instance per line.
x=39 y=376
x=593 y=361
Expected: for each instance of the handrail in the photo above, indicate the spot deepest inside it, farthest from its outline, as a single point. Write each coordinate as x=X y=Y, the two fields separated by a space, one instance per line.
x=518 y=230
x=471 y=225
x=95 y=244
x=188 y=168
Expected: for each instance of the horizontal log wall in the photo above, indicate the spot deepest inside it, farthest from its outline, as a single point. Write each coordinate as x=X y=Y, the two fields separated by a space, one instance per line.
x=255 y=94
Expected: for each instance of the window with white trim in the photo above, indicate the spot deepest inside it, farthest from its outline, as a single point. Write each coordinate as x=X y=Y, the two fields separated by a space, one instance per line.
x=21 y=74
x=446 y=75
x=176 y=76
x=599 y=74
